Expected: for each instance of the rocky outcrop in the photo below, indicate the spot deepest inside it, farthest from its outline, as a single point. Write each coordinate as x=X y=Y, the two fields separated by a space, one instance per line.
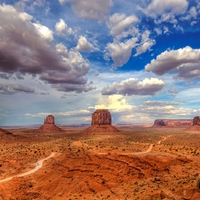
x=101 y=116
x=196 y=124
x=172 y=123
x=101 y=123
x=196 y=121
x=49 y=120
x=49 y=126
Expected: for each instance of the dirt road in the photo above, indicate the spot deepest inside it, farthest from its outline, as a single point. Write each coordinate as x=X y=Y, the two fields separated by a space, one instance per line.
x=38 y=164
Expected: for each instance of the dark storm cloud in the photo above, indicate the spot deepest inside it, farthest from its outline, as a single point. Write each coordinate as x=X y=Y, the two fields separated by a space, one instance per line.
x=27 y=48
x=5 y=76
x=74 y=87
x=14 y=88
x=133 y=86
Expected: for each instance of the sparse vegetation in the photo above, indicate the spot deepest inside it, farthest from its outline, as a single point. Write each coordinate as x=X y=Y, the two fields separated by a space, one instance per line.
x=104 y=166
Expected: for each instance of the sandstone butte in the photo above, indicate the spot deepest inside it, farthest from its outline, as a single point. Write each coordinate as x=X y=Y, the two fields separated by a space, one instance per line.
x=49 y=126
x=196 y=124
x=101 y=123
x=173 y=123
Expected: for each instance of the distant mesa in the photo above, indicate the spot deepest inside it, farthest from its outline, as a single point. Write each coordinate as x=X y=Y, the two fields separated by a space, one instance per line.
x=101 y=123
x=173 y=123
x=49 y=126
x=196 y=124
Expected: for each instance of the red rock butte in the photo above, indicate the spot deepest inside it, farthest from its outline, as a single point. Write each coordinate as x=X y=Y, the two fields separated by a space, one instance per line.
x=196 y=124
x=49 y=126
x=101 y=123
x=101 y=116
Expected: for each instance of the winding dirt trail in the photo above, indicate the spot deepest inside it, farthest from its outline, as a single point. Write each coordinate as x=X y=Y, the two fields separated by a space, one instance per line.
x=142 y=152
x=38 y=164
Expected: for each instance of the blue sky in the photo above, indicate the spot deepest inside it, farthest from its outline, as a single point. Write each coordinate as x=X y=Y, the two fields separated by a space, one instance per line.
x=139 y=59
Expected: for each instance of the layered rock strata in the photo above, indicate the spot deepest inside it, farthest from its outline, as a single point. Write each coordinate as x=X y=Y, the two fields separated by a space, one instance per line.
x=101 y=123
x=172 y=123
x=49 y=125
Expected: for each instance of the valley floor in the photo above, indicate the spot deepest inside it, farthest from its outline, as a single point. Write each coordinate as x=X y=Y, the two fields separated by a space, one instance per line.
x=138 y=163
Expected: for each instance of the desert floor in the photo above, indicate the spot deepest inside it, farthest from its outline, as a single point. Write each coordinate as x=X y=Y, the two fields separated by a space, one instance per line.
x=139 y=163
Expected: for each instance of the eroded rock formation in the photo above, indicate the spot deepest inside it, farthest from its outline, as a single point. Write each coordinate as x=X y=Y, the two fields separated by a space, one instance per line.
x=49 y=120
x=172 y=123
x=101 y=116
x=101 y=123
x=196 y=124
x=49 y=126
x=196 y=121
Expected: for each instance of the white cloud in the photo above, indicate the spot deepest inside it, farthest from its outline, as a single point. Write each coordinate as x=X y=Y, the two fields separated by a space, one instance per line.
x=84 y=45
x=121 y=26
x=121 y=52
x=62 y=28
x=144 y=47
x=160 y=103
x=165 y=10
x=44 y=32
x=146 y=43
x=192 y=14
x=28 y=48
x=133 y=86
x=184 y=61
x=90 y=9
x=116 y=103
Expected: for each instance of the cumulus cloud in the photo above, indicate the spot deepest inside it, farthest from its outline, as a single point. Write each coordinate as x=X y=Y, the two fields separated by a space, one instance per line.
x=90 y=9
x=165 y=11
x=27 y=48
x=44 y=32
x=62 y=28
x=121 y=25
x=84 y=45
x=116 y=103
x=192 y=14
x=133 y=86
x=184 y=61
x=146 y=43
x=120 y=52
x=14 y=88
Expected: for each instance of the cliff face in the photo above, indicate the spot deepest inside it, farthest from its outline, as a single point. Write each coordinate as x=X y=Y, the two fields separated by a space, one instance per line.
x=172 y=123
x=49 y=120
x=101 y=123
x=196 y=121
x=101 y=116
x=49 y=126
x=196 y=124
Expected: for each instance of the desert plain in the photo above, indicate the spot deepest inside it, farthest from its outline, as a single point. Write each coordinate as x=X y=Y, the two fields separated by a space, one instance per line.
x=135 y=163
